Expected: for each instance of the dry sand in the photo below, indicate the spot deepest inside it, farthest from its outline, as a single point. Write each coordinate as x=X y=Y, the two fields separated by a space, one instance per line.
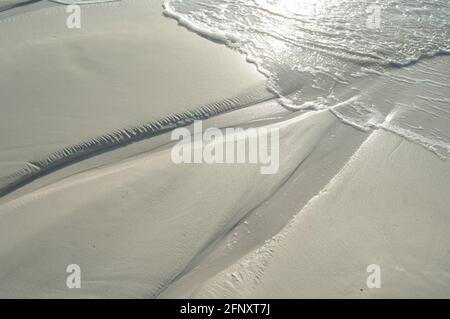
x=141 y=226
x=62 y=87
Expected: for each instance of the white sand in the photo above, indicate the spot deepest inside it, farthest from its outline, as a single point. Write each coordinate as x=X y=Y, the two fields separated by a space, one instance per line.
x=134 y=226
x=61 y=87
x=140 y=226
x=389 y=206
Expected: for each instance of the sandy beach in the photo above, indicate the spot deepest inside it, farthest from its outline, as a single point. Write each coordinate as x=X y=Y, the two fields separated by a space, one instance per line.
x=88 y=177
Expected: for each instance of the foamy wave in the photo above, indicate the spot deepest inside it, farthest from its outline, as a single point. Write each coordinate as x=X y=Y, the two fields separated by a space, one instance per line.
x=308 y=49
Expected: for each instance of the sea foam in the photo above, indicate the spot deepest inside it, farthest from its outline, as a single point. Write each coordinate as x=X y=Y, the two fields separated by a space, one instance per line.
x=312 y=51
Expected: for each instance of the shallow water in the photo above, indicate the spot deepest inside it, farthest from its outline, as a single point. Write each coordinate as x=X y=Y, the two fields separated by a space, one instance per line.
x=312 y=51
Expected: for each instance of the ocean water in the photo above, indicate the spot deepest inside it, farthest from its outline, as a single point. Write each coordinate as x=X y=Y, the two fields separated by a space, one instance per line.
x=374 y=64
